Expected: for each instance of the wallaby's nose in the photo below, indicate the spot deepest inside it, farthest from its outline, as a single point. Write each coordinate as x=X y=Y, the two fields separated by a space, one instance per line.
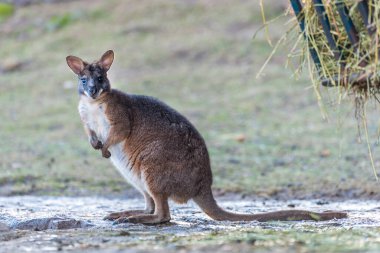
x=91 y=91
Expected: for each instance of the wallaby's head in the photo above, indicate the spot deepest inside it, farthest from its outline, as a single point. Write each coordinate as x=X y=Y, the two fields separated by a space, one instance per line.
x=92 y=76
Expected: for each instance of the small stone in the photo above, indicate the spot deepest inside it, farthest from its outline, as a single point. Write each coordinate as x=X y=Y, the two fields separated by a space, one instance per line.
x=279 y=163
x=124 y=233
x=10 y=65
x=322 y=202
x=325 y=153
x=41 y=224
x=233 y=161
x=33 y=224
x=66 y=224
x=240 y=138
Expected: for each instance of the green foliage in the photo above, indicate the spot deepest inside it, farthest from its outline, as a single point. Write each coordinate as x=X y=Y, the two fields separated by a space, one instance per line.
x=60 y=21
x=6 y=10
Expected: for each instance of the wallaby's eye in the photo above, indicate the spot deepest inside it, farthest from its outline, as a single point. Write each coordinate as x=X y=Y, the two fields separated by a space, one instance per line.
x=83 y=80
x=100 y=79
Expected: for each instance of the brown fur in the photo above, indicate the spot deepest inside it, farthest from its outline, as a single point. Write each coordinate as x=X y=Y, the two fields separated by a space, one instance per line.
x=161 y=152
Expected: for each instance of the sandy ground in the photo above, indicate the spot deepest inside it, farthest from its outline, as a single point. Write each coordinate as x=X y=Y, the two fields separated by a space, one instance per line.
x=76 y=224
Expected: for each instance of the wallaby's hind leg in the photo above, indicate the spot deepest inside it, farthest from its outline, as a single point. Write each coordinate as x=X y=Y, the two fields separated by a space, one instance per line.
x=149 y=209
x=161 y=213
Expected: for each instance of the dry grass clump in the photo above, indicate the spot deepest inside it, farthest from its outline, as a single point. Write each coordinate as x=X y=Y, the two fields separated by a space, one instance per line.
x=344 y=62
x=344 y=38
x=339 y=43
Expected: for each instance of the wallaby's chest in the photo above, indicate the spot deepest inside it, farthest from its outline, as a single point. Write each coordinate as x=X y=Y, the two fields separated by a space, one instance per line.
x=94 y=117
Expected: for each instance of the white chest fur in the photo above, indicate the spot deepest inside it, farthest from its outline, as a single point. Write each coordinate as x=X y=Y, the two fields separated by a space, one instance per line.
x=94 y=117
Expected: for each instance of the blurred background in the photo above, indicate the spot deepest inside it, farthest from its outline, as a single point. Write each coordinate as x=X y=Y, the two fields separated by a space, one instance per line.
x=265 y=135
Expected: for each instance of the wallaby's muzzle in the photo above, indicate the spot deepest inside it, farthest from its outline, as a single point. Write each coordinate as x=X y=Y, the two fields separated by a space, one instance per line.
x=92 y=91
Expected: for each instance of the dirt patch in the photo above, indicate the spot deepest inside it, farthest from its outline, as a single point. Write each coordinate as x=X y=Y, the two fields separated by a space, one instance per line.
x=77 y=224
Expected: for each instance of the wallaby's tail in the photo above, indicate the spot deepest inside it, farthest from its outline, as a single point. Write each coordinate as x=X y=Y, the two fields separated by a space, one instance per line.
x=208 y=204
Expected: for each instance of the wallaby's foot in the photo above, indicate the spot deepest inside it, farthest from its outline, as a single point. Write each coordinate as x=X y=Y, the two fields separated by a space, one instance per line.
x=161 y=212
x=149 y=209
x=144 y=219
x=126 y=214
x=106 y=153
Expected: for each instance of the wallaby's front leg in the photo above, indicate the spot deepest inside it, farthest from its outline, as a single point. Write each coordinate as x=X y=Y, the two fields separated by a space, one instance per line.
x=94 y=141
x=93 y=138
x=114 y=137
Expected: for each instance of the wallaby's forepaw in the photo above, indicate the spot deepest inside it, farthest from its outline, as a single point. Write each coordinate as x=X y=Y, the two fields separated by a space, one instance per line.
x=106 y=153
x=95 y=143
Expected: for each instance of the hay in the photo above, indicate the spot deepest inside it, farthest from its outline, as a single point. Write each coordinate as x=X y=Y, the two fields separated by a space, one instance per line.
x=338 y=61
x=354 y=67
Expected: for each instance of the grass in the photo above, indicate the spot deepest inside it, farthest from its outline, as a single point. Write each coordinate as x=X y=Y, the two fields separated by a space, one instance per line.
x=299 y=240
x=257 y=239
x=198 y=57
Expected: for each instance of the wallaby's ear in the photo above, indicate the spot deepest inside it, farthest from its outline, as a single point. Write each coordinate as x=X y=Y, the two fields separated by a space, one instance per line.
x=107 y=59
x=75 y=63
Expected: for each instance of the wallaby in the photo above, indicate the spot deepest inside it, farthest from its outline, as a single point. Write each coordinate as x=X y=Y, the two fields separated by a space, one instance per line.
x=156 y=149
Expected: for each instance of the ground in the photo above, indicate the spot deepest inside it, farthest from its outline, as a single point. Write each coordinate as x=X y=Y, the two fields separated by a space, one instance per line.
x=266 y=135
x=189 y=230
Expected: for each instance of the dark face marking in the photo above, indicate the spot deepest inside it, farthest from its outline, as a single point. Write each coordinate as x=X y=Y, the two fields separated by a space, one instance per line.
x=93 y=81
